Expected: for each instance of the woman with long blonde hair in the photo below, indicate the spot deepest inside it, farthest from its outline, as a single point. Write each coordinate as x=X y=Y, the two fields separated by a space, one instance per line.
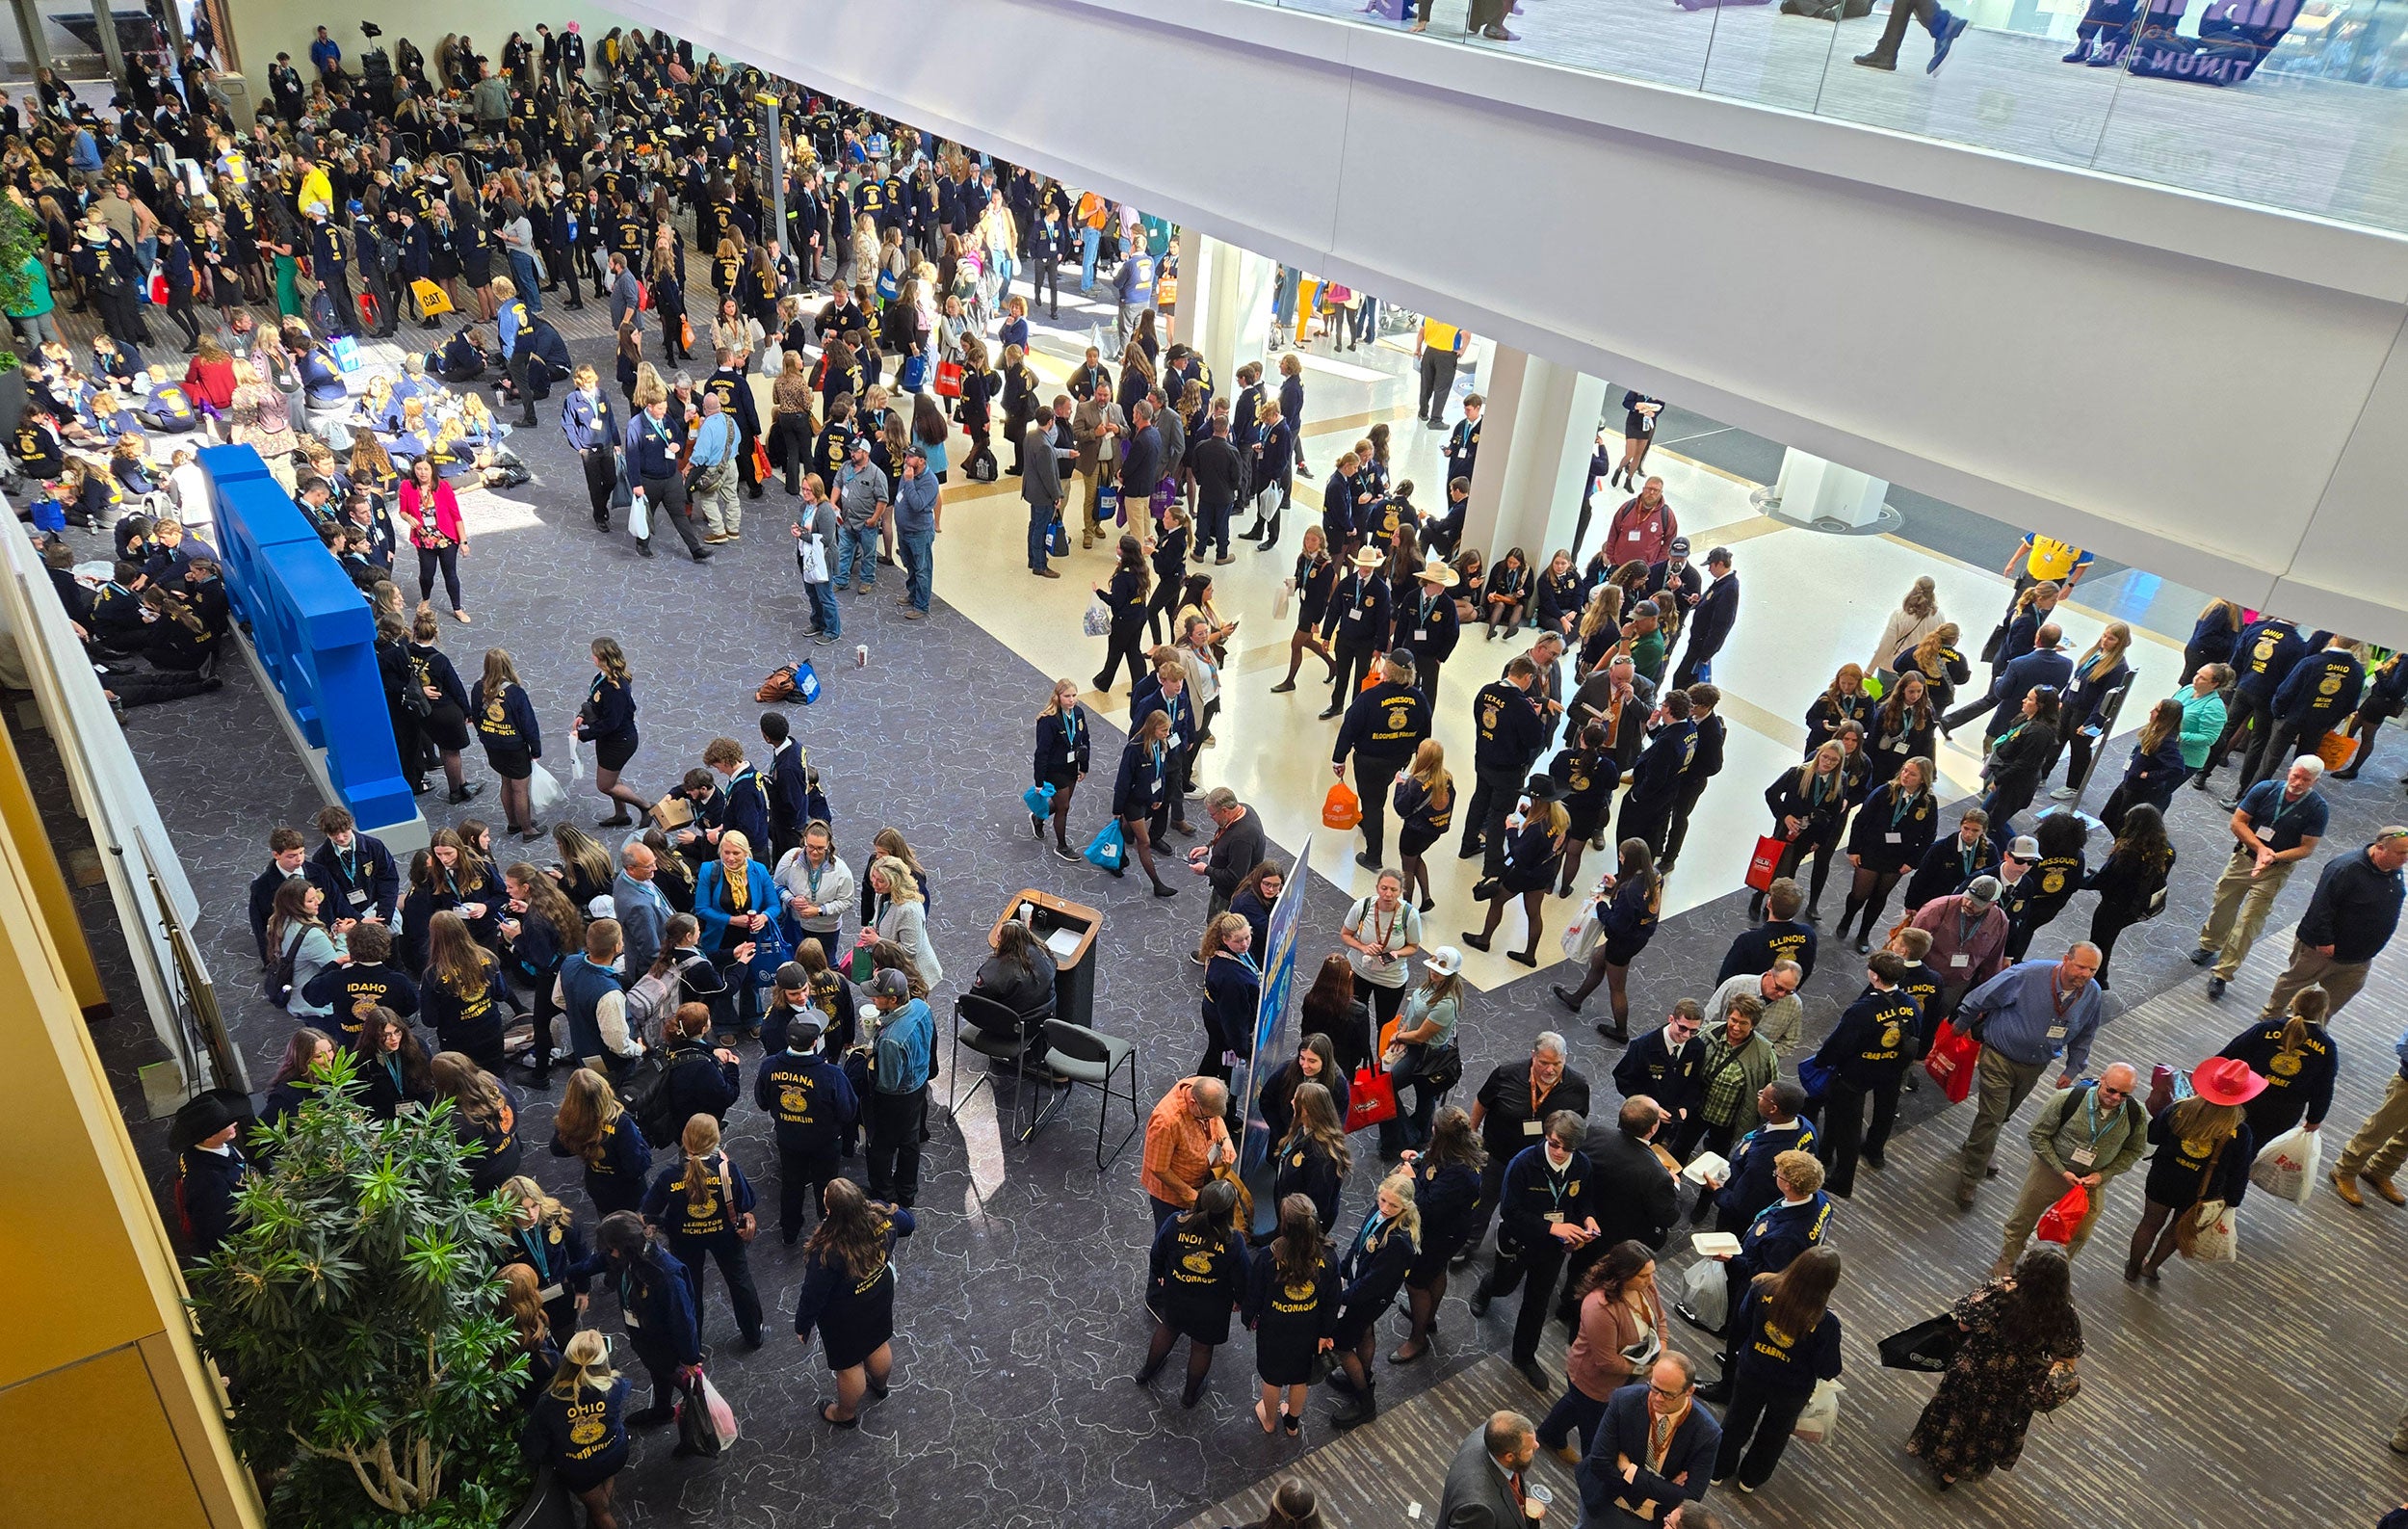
x=2104 y=666
x=1809 y=802
x=504 y=721
x=546 y=1242
x=1371 y=1272
x=578 y=1425
x=705 y=1211
x=593 y=1127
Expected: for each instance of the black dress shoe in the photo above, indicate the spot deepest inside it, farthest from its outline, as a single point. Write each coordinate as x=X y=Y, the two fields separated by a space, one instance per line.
x=1535 y=1374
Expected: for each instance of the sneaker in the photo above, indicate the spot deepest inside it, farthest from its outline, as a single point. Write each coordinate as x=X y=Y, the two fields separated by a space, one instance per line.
x=1949 y=30
x=1875 y=61
x=2063 y=793
x=2200 y=958
x=2216 y=988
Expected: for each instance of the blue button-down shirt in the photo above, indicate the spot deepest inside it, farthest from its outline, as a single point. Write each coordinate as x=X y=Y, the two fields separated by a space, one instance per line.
x=2021 y=1020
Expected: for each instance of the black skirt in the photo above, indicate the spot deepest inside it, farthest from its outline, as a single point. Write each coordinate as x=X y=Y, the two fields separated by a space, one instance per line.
x=613 y=754
x=1201 y=1319
x=445 y=728
x=864 y=1324
x=509 y=760
x=1285 y=1347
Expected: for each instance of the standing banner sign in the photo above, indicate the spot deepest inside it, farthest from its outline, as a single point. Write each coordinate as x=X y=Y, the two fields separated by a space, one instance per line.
x=1270 y=1015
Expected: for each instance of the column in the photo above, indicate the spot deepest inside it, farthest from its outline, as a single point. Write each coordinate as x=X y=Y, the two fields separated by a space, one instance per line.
x=1536 y=435
x=1224 y=304
x=109 y=49
x=1815 y=492
x=29 y=29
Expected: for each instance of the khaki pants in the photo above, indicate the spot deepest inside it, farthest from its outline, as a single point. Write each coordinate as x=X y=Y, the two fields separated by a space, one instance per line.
x=2381 y=1143
x=1091 y=475
x=2309 y=967
x=2043 y=1186
x=721 y=505
x=2002 y=1087
x=2252 y=897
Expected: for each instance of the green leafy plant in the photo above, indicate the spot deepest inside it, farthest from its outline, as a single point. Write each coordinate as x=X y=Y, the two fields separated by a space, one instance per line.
x=20 y=239
x=355 y=1312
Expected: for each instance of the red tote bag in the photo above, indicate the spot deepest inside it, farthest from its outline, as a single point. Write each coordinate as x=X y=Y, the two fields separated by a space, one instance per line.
x=1950 y=1062
x=1372 y=1099
x=948 y=379
x=1764 y=862
x=2061 y=1220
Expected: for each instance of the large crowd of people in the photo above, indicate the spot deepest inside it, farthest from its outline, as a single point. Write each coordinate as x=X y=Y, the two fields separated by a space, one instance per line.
x=718 y=930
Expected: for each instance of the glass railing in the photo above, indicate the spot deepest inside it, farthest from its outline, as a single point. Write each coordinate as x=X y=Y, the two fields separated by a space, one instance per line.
x=2297 y=104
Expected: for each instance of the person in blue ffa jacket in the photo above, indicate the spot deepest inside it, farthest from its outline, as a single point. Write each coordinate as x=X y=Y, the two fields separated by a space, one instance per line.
x=1357 y=625
x=1669 y=1064
x=207 y=1173
x=1753 y=1183
x=504 y=721
x=789 y=786
x=393 y=1066
x=1449 y=1176
x=697 y=1078
x=1509 y=733
x=1891 y=834
x=810 y=1105
x=1543 y=1214
x=1798 y=1220
x=594 y=1128
x=2298 y=1059
x=1866 y=1053
x=1462 y=450
x=1290 y=1303
x=1384 y=726
x=744 y=795
x=591 y=425
x=2262 y=657
x=1233 y=984
x=848 y=1295
x=1656 y=780
x=1789 y=1341
x=2320 y=689
x=1809 y=802
x=1195 y=1278
x=287 y=857
x=1165 y=691
x=656 y=1302
x=463 y=999
x=545 y=1237
x=1951 y=864
x=1713 y=612
x=1370 y=1274
x=360 y=981
x=706 y=1210
x=1429 y=627
x=578 y=1423
x=355 y=870
x=1142 y=794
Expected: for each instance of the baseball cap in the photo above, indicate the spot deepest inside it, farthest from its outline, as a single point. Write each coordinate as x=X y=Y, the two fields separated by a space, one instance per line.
x=1983 y=890
x=2025 y=848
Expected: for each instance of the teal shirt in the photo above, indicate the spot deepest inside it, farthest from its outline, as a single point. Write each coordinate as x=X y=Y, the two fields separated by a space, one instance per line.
x=38 y=300
x=2203 y=723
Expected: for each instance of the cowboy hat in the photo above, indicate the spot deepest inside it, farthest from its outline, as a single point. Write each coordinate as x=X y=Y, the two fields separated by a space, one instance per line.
x=1366 y=558
x=2226 y=1080
x=1438 y=574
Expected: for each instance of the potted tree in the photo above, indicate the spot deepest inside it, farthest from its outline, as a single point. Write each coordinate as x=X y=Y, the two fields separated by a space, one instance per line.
x=355 y=1313
x=20 y=257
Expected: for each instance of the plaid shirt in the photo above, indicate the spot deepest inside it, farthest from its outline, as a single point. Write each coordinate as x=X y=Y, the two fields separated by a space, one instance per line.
x=1734 y=1077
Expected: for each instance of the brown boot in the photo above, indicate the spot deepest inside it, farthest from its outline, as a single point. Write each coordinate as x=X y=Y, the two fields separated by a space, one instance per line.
x=2347 y=1190
x=2386 y=1188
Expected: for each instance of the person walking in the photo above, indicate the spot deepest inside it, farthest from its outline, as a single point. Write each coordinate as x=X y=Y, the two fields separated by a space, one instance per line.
x=1065 y=741
x=2203 y=1150
x=430 y=512
x=1617 y=1334
x=2024 y=1017
x=2019 y=1343
x=2156 y=768
x=1485 y=1486
x=2086 y=1136
x=1865 y=1054
x=2276 y=826
x=1043 y=450
x=1627 y=900
x=1384 y=726
x=577 y=1426
x=705 y=1210
x=2298 y=1060
x=1545 y=1212
x=2352 y=915
x=848 y=1295
x=656 y=1297
x=2378 y=1146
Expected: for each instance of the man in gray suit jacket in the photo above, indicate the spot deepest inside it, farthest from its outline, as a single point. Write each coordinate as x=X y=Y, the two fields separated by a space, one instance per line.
x=1042 y=453
x=1484 y=1485
x=641 y=909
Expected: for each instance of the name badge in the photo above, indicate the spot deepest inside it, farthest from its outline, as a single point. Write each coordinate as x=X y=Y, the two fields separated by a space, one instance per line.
x=1635 y=536
x=2057 y=1032
x=1071 y=754
x=671 y=451
x=359 y=898
x=1354 y=615
x=1894 y=837
x=2082 y=1157
x=1533 y=1129
x=1421 y=634
x=631 y=1319
x=1554 y=1216
x=550 y=1293
x=1960 y=959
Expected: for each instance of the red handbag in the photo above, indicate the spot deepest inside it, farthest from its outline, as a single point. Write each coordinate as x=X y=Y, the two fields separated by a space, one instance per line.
x=2061 y=1220
x=1765 y=861
x=948 y=379
x=1372 y=1099
x=1950 y=1062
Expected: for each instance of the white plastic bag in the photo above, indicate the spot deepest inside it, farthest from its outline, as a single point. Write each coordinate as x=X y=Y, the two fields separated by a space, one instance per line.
x=543 y=790
x=1584 y=933
x=576 y=760
x=1098 y=621
x=1707 y=1292
x=639 y=516
x=2217 y=1239
x=1280 y=601
x=1821 y=1415
x=2286 y=1165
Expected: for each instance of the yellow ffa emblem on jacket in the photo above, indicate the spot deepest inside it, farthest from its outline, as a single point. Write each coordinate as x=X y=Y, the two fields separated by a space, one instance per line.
x=1491 y=712
x=1923 y=811
x=1890 y=1035
x=1780 y=1339
x=2198 y=1148
x=2053 y=883
x=2329 y=685
x=1198 y=1263
x=2283 y=1064
x=2265 y=650
x=586 y=1425
x=1400 y=717
x=1300 y=1295
x=794 y=1099
x=1297 y=1161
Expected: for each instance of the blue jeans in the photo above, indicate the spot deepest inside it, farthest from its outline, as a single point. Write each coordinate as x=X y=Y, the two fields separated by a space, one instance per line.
x=826 y=613
x=1040 y=536
x=523 y=276
x=1089 y=240
x=857 y=542
x=1397 y=1134
x=918 y=550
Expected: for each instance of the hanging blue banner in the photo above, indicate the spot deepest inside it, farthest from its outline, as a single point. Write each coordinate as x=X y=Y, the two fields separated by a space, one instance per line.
x=1271 y=1011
